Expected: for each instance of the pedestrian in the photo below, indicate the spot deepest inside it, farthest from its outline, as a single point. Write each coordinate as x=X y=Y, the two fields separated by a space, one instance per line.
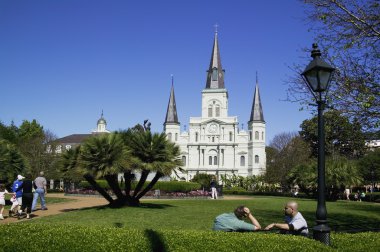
x=27 y=195
x=3 y=191
x=295 y=223
x=41 y=191
x=15 y=206
x=234 y=221
x=214 y=192
x=17 y=184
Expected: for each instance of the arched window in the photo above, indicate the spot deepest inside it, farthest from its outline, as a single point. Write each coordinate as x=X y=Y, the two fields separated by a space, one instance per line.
x=215 y=74
x=210 y=160
x=230 y=136
x=213 y=139
x=215 y=160
x=196 y=136
x=257 y=159
x=176 y=136
x=184 y=160
x=242 y=161
x=217 y=111
x=257 y=135
x=210 y=111
x=262 y=135
x=170 y=136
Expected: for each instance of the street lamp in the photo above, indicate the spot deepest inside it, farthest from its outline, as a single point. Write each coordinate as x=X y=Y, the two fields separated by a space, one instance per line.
x=317 y=75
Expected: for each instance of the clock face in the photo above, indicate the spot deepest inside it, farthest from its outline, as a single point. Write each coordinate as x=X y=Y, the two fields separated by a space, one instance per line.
x=213 y=128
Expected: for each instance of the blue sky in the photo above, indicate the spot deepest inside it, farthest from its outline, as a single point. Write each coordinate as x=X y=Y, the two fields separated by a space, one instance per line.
x=63 y=62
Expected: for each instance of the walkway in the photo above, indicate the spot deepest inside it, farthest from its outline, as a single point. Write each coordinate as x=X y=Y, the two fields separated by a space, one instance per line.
x=58 y=208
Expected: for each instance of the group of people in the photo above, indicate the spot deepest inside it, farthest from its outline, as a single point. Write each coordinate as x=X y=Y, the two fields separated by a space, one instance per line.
x=294 y=221
x=25 y=194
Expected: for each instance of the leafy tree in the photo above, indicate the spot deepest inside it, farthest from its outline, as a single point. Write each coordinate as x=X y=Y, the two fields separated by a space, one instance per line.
x=340 y=173
x=127 y=152
x=294 y=151
x=11 y=162
x=203 y=179
x=341 y=136
x=369 y=166
x=349 y=32
x=9 y=133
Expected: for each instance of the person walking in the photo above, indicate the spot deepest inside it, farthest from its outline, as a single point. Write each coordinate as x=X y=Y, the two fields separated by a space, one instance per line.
x=27 y=195
x=294 y=221
x=214 y=192
x=3 y=191
x=41 y=191
x=17 y=184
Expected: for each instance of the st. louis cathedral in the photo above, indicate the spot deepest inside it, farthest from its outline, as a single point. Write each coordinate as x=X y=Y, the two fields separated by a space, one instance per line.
x=213 y=143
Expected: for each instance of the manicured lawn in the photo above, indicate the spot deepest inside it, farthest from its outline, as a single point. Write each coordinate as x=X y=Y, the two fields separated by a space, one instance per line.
x=199 y=214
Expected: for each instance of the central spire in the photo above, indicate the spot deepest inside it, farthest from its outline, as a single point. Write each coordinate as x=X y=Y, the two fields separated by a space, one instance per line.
x=215 y=72
x=257 y=114
x=171 y=113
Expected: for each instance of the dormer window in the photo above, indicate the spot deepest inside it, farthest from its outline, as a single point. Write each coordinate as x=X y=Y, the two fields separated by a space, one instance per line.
x=215 y=74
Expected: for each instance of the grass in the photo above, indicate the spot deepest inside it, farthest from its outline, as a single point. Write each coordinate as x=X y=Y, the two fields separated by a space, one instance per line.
x=199 y=214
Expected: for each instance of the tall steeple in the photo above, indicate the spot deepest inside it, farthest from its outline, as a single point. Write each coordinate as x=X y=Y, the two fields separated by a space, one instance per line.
x=171 y=113
x=257 y=110
x=215 y=72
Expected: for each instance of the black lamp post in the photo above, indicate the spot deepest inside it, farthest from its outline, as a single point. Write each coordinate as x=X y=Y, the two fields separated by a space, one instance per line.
x=317 y=75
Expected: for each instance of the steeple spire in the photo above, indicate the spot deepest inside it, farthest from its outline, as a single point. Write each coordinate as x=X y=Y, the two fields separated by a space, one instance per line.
x=215 y=72
x=257 y=109
x=171 y=113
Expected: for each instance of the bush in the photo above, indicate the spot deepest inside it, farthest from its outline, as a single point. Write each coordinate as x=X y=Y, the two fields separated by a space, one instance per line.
x=80 y=238
x=167 y=186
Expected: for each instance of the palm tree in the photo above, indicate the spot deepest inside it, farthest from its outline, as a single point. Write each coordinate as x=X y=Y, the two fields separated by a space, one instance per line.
x=11 y=162
x=126 y=152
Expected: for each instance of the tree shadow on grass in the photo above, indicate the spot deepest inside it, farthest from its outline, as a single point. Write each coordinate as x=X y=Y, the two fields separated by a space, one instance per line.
x=156 y=241
x=143 y=205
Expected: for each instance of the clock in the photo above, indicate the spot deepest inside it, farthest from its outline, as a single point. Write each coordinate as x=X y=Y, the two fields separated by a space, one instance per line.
x=213 y=128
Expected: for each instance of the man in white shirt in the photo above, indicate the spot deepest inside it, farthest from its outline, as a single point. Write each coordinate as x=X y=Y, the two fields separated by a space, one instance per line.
x=294 y=221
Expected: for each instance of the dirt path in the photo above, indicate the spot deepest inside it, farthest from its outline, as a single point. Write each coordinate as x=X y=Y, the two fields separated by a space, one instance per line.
x=58 y=208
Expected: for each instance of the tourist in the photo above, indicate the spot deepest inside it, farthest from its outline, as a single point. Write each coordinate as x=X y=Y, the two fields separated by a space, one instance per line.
x=27 y=195
x=41 y=191
x=17 y=184
x=234 y=221
x=214 y=193
x=3 y=191
x=294 y=222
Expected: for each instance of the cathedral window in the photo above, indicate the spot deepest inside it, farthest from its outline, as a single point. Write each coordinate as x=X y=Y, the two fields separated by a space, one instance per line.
x=242 y=161
x=196 y=136
x=250 y=135
x=262 y=135
x=176 y=136
x=210 y=111
x=257 y=159
x=210 y=160
x=215 y=160
x=213 y=139
x=257 y=135
x=217 y=111
x=184 y=160
x=230 y=136
x=170 y=136
x=215 y=74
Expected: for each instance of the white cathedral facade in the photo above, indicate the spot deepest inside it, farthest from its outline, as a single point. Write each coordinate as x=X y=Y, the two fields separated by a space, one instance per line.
x=213 y=143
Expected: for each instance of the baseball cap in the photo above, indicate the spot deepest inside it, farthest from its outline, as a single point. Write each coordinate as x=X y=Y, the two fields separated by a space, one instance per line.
x=19 y=177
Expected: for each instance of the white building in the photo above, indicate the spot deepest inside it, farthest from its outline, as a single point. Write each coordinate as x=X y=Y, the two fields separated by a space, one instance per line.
x=213 y=143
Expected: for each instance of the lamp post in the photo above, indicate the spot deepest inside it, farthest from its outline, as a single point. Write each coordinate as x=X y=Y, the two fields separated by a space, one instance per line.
x=317 y=75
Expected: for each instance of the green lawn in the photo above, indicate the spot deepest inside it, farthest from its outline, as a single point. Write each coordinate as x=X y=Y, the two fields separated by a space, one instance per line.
x=199 y=214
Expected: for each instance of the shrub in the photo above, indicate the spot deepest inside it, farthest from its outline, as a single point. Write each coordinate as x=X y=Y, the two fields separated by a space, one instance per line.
x=80 y=238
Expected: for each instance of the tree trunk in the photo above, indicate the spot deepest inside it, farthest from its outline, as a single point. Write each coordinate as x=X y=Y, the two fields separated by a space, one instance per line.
x=144 y=175
x=128 y=176
x=112 y=182
x=150 y=186
x=95 y=185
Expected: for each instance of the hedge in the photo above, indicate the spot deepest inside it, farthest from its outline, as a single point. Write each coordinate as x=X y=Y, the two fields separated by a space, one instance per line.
x=168 y=186
x=43 y=237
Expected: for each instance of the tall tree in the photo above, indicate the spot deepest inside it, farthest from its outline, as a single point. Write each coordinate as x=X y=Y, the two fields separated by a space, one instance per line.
x=349 y=33
x=12 y=162
x=369 y=166
x=341 y=136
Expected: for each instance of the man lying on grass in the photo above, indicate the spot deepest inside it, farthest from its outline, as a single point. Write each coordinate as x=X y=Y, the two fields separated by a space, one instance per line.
x=294 y=222
x=234 y=221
